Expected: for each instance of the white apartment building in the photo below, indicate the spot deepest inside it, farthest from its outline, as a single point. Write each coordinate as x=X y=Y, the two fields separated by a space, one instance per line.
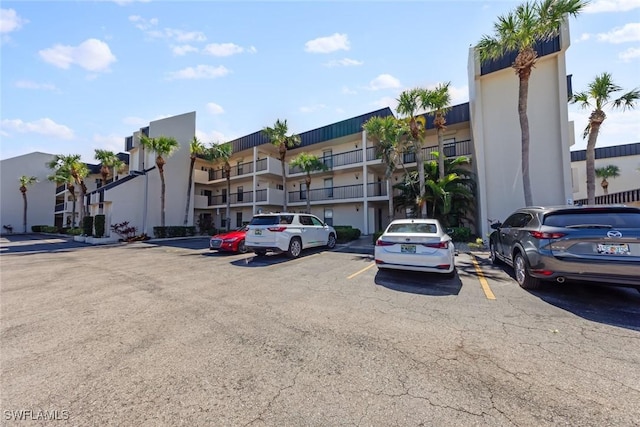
x=353 y=190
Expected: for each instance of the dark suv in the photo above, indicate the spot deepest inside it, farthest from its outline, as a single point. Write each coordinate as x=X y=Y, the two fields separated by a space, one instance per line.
x=591 y=243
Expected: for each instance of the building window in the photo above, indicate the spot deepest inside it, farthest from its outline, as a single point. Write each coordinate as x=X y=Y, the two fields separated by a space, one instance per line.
x=240 y=194
x=303 y=191
x=328 y=216
x=328 y=188
x=327 y=158
x=239 y=219
x=240 y=168
x=224 y=195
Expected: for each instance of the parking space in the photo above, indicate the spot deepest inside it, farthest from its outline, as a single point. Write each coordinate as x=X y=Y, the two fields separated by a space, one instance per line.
x=172 y=333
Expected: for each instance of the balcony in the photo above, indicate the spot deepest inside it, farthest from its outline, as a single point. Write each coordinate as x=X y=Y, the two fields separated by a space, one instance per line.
x=334 y=161
x=235 y=199
x=333 y=193
x=200 y=176
x=236 y=170
x=200 y=202
x=61 y=188
x=452 y=149
x=269 y=165
x=64 y=207
x=270 y=196
x=377 y=189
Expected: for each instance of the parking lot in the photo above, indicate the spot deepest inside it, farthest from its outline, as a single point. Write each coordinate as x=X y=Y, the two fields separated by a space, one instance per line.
x=170 y=333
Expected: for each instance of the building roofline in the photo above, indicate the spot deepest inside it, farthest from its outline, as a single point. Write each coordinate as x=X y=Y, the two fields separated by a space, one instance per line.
x=632 y=149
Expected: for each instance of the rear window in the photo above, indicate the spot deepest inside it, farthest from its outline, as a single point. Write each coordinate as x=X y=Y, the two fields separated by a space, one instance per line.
x=613 y=219
x=271 y=219
x=413 y=228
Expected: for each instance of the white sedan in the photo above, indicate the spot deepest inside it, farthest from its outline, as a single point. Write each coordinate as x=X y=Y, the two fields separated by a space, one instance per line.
x=416 y=244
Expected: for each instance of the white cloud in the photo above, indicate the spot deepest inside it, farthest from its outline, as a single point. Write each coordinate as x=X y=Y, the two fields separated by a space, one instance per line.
x=312 y=108
x=126 y=2
x=384 y=81
x=385 y=101
x=627 y=33
x=328 y=44
x=222 y=49
x=583 y=37
x=629 y=54
x=199 y=72
x=184 y=36
x=183 y=49
x=110 y=142
x=599 y=6
x=347 y=91
x=135 y=121
x=345 y=62
x=44 y=126
x=214 y=108
x=620 y=127
x=27 y=84
x=92 y=55
x=213 y=136
x=459 y=95
x=142 y=23
x=10 y=21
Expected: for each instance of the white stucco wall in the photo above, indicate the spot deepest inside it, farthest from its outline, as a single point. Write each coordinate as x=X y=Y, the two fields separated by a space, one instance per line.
x=40 y=196
x=629 y=178
x=497 y=137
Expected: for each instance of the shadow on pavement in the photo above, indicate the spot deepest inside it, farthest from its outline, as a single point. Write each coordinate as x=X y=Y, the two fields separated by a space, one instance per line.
x=26 y=244
x=419 y=283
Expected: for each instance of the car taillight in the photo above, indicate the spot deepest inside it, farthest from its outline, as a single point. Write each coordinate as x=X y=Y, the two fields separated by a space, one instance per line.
x=542 y=235
x=439 y=245
x=277 y=229
x=384 y=243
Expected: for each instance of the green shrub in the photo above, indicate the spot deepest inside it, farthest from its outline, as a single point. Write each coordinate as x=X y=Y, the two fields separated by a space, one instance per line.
x=347 y=233
x=174 y=231
x=38 y=228
x=99 y=225
x=461 y=234
x=74 y=231
x=376 y=235
x=49 y=229
x=87 y=225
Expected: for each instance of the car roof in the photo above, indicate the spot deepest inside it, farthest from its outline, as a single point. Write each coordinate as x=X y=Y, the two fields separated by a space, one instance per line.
x=414 y=220
x=554 y=208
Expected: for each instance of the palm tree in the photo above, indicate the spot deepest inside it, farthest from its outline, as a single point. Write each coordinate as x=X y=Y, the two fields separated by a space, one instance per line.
x=72 y=165
x=62 y=175
x=598 y=97
x=277 y=135
x=308 y=163
x=519 y=31
x=196 y=148
x=609 y=171
x=110 y=163
x=437 y=101
x=387 y=133
x=409 y=103
x=222 y=153
x=163 y=146
x=24 y=182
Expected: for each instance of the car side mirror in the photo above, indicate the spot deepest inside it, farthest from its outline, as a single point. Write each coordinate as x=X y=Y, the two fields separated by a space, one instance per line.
x=496 y=225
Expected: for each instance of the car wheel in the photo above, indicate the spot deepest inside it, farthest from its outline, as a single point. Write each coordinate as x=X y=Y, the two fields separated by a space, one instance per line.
x=331 y=243
x=492 y=253
x=260 y=253
x=242 y=248
x=295 y=247
x=522 y=275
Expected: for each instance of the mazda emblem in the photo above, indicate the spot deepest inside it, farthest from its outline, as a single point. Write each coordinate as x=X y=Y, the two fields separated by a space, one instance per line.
x=614 y=233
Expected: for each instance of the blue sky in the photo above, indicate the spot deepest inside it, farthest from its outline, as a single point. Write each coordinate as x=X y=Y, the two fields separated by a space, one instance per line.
x=80 y=75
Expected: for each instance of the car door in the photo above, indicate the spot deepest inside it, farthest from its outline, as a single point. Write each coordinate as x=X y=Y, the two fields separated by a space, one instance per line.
x=509 y=231
x=321 y=232
x=307 y=231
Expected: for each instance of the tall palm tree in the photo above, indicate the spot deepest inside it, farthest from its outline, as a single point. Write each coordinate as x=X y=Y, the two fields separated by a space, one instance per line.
x=24 y=182
x=609 y=171
x=599 y=96
x=62 y=175
x=409 y=103
x=222 y=153
x=196 y=148
x=277 y=135
x=110 y=164
x=72 y=165
x=519 y=31
x=437 y=101
x=387 y=133
x=163 y=146
x=308 y=163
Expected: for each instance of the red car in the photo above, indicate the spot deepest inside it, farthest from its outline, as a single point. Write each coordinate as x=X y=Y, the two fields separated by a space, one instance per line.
x=231 y=241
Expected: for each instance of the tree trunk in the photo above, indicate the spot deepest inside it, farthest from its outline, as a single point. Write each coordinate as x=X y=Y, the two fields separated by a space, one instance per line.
x=284 y=185
x=524 y=129
x=162 y=190
x=24 y=213
x=439 y=123
x=594 y=121
x=390 y=194
x=186 y=209
x=228 y=220
x=421 y=186
x=605 y=186
x=307 y=182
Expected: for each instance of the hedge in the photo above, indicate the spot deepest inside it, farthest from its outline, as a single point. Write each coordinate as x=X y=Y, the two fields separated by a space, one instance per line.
x=87 y=225
x=174 y=231
x=346 y=233
x=99 y=225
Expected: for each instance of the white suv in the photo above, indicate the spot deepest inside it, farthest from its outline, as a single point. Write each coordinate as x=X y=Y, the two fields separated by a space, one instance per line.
x=288 y=232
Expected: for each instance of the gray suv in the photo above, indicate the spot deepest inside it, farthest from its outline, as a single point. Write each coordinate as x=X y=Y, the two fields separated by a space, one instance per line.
x=590 y=243
x=288 y=232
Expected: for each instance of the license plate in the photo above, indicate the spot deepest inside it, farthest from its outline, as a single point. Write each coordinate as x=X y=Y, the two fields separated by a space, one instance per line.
x=613 y=249
x=258 y=233
x=408 y=249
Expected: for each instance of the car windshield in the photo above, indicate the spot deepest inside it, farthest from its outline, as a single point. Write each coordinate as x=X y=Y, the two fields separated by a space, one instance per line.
x=271 y=219
x=419 y=228
x=593 y=219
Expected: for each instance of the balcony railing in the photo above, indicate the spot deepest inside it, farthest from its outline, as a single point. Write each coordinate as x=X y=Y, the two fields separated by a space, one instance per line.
x=334 y=161
x=623 y=197
x=333 y=193
x=451 y=149
x=61 y=188
x=234 y=198
x=59 y=207
x=375 y=189
x=236 y=170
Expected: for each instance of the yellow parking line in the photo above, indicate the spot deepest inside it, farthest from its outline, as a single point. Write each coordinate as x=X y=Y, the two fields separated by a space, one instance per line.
x=361 y=271
x=483 y=281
